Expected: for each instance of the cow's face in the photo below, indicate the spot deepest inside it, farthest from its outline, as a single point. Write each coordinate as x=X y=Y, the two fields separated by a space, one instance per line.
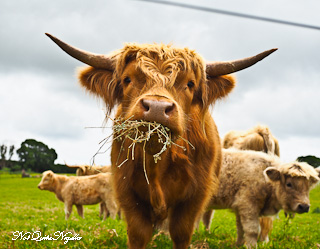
x=46 y=181
x=158 y=99
x=161 y=86
x=292 y=192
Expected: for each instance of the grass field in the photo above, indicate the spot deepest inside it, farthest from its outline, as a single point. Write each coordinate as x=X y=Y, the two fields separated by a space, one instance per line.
x=24 y=208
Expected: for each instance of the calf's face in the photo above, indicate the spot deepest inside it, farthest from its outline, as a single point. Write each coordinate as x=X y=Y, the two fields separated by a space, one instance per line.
x=292 y=191
x=46 y=181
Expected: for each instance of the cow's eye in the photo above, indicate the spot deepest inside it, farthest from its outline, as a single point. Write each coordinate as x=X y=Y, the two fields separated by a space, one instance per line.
x=127 y=80
x=289 y=185
x=190 y=84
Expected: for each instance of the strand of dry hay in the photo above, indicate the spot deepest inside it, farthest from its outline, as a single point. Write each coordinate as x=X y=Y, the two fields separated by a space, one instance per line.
x=140 y=132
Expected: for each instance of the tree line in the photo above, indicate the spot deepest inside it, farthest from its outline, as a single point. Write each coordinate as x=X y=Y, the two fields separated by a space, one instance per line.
x=33 y=156
x=36 y=156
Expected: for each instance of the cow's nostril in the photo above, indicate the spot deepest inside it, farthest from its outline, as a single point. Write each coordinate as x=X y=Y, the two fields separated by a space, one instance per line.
x=145 y=104
x=169 y=108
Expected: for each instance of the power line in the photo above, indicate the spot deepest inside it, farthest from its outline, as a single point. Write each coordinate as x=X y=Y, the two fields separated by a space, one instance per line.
x=230 y=13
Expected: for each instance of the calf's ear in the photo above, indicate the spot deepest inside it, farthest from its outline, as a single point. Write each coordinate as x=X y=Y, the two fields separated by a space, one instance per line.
x=315 y=180
x=318 y=170
x=271 y=173
x=49 y=174
x=219 y=87
x=100 y=83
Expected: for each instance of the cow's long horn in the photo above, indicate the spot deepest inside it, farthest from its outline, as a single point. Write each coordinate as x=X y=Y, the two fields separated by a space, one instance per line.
x=227 y=67
x=91 y=59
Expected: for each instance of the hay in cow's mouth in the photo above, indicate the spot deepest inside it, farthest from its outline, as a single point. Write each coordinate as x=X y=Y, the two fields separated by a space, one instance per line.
x=140 y=131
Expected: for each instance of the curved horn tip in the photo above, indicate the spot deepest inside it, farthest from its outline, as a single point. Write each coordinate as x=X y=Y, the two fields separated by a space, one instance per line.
x=272 y=50
x=91 y=59
x=50 y=36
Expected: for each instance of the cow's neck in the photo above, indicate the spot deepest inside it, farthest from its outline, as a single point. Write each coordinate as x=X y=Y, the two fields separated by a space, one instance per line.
x=272 y=205
x=59 y=183
x=153 y=176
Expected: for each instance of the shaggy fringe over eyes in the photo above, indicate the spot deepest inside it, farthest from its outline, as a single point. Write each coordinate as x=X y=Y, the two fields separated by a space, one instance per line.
x=299 y=169
x=160 y=62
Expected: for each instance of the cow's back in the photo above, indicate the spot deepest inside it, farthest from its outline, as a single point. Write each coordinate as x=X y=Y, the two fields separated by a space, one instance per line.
x=86 y=190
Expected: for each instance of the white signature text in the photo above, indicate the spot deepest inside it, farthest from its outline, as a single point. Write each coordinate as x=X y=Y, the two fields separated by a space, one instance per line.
x=37 y=236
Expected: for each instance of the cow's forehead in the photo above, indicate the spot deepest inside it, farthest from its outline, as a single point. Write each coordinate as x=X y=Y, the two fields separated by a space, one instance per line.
x=159 y=58
x=298 y=169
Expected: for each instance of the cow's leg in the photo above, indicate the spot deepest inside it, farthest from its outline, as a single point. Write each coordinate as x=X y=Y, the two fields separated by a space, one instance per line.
x=102 y=209
x=112 y=207
x=80 y=210
x=182 y=221
x=250 y=224
x=139 y=227
x=67 y=209
x=207 y=219
x=240 y=233
x=105 y=211
x=265 y=228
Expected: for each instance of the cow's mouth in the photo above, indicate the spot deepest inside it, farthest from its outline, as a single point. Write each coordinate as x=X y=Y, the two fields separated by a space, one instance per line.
x=155 y=138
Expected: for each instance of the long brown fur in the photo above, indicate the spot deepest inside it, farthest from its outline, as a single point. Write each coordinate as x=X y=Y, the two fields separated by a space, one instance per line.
x=182 y=182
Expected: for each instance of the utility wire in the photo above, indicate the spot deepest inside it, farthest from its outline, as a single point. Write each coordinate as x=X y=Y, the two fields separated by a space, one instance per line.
x=230 y=13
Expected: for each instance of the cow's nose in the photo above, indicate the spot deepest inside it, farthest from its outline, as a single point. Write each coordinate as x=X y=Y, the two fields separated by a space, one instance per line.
x=156 y=110
x=303 y=208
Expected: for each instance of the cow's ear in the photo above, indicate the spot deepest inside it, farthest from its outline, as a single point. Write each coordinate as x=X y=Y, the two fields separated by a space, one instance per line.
x=315 y=180
x=318 y=170
x=219 y=87
x=100 y=83
x=49 y=174
x=271 y=173
x=83 y=169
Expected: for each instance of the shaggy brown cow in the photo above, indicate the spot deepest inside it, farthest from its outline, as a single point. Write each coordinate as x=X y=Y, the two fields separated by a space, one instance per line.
x=79 y=191
x=255 y=184
x=259 y=138
x=172 y=87
x=88 y=170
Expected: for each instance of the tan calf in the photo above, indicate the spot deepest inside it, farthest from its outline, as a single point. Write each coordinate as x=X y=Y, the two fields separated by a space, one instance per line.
x=254 y=184
x=88 y=170
x=79 y=191
x=258 y=138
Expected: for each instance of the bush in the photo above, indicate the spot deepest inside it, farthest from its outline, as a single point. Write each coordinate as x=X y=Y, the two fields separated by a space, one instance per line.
x=5 y=170
x=15 y=167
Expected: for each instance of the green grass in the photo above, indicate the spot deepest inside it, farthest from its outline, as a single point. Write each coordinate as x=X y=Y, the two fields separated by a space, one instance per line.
x=25 y=208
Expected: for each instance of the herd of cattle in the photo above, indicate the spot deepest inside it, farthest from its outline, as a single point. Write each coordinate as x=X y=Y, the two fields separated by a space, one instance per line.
x=174 y=87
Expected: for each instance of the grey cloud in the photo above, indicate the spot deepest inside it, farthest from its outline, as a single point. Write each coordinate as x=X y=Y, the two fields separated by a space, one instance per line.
x=280 y=91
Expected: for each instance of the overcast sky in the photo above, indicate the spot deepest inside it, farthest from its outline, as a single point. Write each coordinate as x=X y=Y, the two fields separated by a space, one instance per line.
x=40 y=97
